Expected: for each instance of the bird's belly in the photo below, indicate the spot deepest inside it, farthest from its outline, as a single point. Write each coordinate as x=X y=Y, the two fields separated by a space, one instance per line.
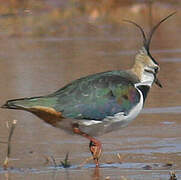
x=97 y=128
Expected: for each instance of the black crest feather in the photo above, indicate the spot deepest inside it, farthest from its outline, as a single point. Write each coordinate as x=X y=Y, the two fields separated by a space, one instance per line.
x=147 y=40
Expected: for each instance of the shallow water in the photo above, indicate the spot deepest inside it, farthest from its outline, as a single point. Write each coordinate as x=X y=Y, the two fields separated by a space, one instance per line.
x=38 y=65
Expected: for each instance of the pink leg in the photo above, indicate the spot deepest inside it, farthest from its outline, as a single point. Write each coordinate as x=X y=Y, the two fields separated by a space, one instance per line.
x=94 y=146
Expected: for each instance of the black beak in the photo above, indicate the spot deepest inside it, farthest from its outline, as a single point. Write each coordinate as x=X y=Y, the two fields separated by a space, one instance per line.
x=158 y=83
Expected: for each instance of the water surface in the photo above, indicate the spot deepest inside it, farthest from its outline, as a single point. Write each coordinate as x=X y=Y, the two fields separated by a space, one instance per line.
x=38 y=65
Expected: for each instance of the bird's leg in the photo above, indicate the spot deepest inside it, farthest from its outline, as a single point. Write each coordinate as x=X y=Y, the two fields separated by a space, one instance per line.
x=94 y=146
x=96 y=149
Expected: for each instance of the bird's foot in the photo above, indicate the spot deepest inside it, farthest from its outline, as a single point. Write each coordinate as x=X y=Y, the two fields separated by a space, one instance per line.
x=96 y=150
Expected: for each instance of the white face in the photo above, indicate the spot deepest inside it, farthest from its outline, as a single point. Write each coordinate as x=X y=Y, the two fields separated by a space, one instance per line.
x=147 y=78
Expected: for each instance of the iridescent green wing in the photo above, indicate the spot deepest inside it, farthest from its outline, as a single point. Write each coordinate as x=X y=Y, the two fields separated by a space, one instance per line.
x=97 y=96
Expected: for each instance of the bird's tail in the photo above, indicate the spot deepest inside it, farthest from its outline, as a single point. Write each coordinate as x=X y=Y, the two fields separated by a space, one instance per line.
x=26 y=103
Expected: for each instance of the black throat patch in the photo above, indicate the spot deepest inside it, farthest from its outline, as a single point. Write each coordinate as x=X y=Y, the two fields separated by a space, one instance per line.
x=144 y=89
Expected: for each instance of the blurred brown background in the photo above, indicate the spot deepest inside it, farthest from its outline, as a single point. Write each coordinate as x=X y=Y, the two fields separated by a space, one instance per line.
x=44 y=44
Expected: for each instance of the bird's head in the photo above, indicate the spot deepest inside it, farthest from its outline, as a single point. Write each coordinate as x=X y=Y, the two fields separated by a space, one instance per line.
x=146 y=67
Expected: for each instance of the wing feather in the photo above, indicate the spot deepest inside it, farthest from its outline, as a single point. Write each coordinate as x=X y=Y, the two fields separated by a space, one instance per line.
x=98 y=96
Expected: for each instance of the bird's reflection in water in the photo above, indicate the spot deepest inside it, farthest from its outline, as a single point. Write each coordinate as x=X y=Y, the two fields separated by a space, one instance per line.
x=6 y=175
x=96 y=174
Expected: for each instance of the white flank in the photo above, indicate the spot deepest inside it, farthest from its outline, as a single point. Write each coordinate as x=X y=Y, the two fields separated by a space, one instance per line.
x=89 y=122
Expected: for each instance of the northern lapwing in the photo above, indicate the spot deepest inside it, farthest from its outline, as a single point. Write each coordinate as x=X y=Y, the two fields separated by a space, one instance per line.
x=98 y=103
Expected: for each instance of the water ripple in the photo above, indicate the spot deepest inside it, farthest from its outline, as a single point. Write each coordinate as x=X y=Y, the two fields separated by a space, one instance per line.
x=159 y=110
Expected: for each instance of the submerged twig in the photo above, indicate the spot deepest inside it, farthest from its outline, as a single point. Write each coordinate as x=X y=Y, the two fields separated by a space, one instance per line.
x=120 y=158
x=54 y=162
x=6 y=161
x=47 y=159
x=86 y=161
x=66 y=163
